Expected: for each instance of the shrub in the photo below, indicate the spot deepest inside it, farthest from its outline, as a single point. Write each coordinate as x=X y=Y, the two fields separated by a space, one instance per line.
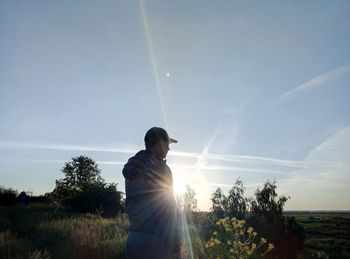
x=96 y=198
x=7 y=196
x=234 y=240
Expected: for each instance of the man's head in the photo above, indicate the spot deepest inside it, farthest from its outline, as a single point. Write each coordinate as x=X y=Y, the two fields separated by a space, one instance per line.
x=158 y=139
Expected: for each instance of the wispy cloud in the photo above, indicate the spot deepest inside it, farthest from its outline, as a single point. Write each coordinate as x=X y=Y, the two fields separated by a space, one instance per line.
x=251 y=185
x=316 y=82
x=322 y=185
x=132 y=149
x=117 y=148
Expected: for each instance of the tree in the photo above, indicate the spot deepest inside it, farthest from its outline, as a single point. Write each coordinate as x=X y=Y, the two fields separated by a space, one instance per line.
x=267 y=203
x=236 y=202
x=84 y=190
x=219 y=203
x=189 y=200
x=80 y=171
x=267 y=216
x=265 y=213
x=232 y=205
x=7 y=196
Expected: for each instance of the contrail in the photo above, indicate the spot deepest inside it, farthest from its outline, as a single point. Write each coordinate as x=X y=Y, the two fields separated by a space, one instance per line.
x=153 y=60
x=129 y=149
x=132 y=149
x=317 y=81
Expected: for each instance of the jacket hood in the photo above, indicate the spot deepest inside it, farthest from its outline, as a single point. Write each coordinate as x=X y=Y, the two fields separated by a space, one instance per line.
x=143 y=160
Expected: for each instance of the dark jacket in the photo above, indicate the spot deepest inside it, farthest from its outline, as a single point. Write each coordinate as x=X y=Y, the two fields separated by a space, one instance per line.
x=150 y=201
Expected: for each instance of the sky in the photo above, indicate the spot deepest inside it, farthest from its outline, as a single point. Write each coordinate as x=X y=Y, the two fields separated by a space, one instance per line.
x=256 y=90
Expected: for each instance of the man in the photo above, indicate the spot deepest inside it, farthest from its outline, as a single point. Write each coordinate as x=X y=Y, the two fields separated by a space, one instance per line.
x=154 y=220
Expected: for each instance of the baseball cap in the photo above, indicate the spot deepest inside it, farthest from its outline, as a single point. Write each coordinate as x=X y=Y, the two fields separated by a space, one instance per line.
x=156 y=133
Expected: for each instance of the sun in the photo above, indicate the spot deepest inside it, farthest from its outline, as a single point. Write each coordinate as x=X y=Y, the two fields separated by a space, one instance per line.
x=179 y=187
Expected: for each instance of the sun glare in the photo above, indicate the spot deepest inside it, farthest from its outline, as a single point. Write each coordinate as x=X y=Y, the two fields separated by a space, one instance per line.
x=179 y=187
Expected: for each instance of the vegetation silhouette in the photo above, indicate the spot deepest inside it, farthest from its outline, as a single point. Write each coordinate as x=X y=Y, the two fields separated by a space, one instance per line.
x=84 y=190
x=38 y=228
x=264 y=212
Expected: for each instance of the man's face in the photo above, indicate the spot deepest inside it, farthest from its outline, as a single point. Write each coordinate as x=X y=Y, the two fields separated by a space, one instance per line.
x=163 y=147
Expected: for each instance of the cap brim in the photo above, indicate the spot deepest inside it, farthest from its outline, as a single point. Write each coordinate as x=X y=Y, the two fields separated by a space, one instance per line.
x=171 y=140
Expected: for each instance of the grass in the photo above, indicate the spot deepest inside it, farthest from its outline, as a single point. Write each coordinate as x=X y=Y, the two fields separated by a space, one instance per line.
x=42 y=231
x=327 y=232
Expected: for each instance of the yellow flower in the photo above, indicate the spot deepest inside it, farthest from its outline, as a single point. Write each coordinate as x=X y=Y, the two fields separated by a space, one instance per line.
x=263 y=240
x=250 y=230
x=254 y=233
x=216 y=241
x=253 y=246
x=271 y=246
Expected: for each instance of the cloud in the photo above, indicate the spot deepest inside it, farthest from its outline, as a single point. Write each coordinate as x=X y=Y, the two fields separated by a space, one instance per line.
x=316 y=82
x=182 y=167
x=117 y=148
x=324 y=184
x=132 y=149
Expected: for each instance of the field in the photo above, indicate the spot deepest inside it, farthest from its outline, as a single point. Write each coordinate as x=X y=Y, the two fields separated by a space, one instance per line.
x=43 y=231
x=326 y=231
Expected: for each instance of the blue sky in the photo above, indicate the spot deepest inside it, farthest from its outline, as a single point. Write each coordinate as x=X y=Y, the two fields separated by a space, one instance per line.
x=256 y=90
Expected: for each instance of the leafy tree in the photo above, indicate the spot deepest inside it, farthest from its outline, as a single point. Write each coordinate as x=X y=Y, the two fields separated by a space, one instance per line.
x=219 y=203
x=265 y=213
x=189 y=200
x=84 y=190
x=267 y=203
x=7 y=196
x=97 y=197
x=267 y=217
x=232 y=205
x=236 y=202
x=80 y=171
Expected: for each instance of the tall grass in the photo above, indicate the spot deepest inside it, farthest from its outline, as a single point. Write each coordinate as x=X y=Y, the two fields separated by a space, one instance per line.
x=38 y=231
x=89 y=236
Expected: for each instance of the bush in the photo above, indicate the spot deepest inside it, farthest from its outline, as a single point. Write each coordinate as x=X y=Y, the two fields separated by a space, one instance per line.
x=96 y=198
x=7 y=196
x=234 y=240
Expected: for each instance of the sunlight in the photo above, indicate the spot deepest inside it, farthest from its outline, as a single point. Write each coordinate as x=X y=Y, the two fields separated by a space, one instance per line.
x=153 y=58
x=179 y=186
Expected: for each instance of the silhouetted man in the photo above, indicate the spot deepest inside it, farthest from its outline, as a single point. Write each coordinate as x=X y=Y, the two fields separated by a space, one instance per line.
x=154 y=220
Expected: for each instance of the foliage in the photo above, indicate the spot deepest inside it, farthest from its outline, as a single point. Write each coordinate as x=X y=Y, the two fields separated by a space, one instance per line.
x=41 y=231
x=267 y=216
x=232 y=205
x=88 y=236
x=219 y=203
x=189 y=200
x=328 y=232
x=265 y=213
x=267 y=204
x=96 y=197
x=234 y=240
x=79 y=172
x=84 y=190
x=7 y=196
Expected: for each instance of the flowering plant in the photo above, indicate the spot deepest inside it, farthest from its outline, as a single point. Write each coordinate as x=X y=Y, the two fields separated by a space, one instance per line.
x=235 y=240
